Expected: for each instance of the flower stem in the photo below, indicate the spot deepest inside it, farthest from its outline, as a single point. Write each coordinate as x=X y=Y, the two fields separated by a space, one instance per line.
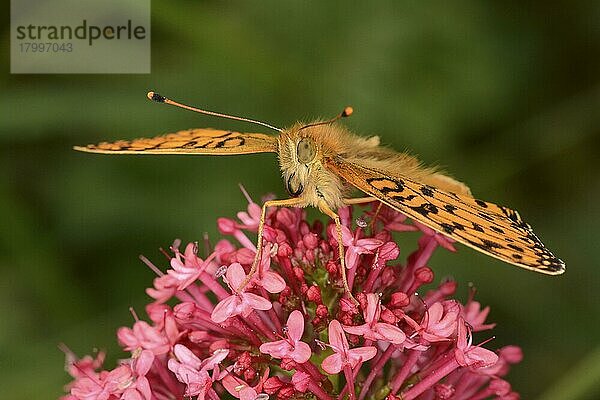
x=201 y=300
x=312 y=370
x=376 y=370
x=430 y=380
x=241 y=328
x=272 y=316
x=404 y=371
x=371 y=278
x=286 y=265
x=318 y=391
x=483 y=394
x=417 y=260
x=243 y=239
x=213 y=285
x=167 y=378
x=258 y=324
x=349 y=381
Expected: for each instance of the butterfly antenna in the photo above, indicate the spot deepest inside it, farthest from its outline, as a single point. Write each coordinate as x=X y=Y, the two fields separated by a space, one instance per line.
x=162 y=99
x=345 y=113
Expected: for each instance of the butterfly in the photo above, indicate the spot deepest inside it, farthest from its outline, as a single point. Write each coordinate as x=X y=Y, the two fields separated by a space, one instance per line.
x=322 y=162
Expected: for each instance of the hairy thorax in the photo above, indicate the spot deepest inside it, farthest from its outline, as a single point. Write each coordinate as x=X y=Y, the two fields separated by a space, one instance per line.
x=306 y=154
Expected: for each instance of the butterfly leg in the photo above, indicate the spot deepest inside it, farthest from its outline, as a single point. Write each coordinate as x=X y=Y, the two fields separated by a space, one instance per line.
x=338 y=228
x=294 y=202
x=360 y=200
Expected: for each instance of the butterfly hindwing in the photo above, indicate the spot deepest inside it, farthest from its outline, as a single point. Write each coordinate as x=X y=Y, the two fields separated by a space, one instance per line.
x=494 y=230
x=191 y=141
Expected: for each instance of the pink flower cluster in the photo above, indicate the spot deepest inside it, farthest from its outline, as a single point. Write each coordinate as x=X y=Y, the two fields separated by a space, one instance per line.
x=292 y=332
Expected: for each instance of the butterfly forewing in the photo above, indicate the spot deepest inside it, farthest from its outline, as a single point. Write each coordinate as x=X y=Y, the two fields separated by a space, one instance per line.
x=494 y=230
x=191 y=141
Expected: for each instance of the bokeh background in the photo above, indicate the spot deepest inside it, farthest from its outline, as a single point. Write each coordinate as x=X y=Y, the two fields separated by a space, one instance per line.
x=505 y=95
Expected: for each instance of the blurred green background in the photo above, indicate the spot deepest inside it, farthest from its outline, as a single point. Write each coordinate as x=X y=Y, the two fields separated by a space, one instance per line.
x=505 y=95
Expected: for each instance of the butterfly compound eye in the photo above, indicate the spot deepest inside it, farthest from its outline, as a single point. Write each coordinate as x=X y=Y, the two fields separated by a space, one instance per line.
x=306 y=151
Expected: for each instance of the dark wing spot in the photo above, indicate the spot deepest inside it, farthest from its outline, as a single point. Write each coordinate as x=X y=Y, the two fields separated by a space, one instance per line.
x=481 y=203
x=450 y=208
x=490 y=244
x=425 y=209
x=485 y=216
x=385 y=185
x=447 y=228
x=403 y=199
x=517 y=256
x=223 y=135
x=496 y=229
x=231 y=142
x=189 y=145
x=516 y=248
x=511 y=214
x=478 y=227
x=458 y=226
x=427 y=190
x=524 y=225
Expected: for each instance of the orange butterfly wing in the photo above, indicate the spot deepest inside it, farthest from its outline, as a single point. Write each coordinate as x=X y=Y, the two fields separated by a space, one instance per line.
x=191 y=141
x=491 y=229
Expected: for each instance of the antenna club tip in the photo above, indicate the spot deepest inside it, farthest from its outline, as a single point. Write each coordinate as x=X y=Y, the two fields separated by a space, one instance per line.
x=347 y=111
x=156 y=97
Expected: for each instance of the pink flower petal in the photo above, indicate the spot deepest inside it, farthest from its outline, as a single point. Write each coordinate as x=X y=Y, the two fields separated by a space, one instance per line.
x=347 y=236
x=277 y=349
x=216 y=358
x=300 y=380
x=256 y=302
x=235 y=275
x=367 y=245
x=471 y=356
x=332 y=364
x=248 y=393
x=370 y=313
x=389 y=332
x=359 y=330
x=186 y=356
x=337 y=338
x=295 y=325
x=143 y=386
x=301 y=353
x=477 y=357
x=131 y=394
x=351 y=257
x=272 y=282
x=225 y=309
x=361 y=354
x=435 y=311
x=144 y=362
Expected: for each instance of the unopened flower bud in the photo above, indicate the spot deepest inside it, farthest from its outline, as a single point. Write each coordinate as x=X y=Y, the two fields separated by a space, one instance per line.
x=399 y=300
x=226 y=226
x=424 y=275
x=272 y=385
x=314 y=294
